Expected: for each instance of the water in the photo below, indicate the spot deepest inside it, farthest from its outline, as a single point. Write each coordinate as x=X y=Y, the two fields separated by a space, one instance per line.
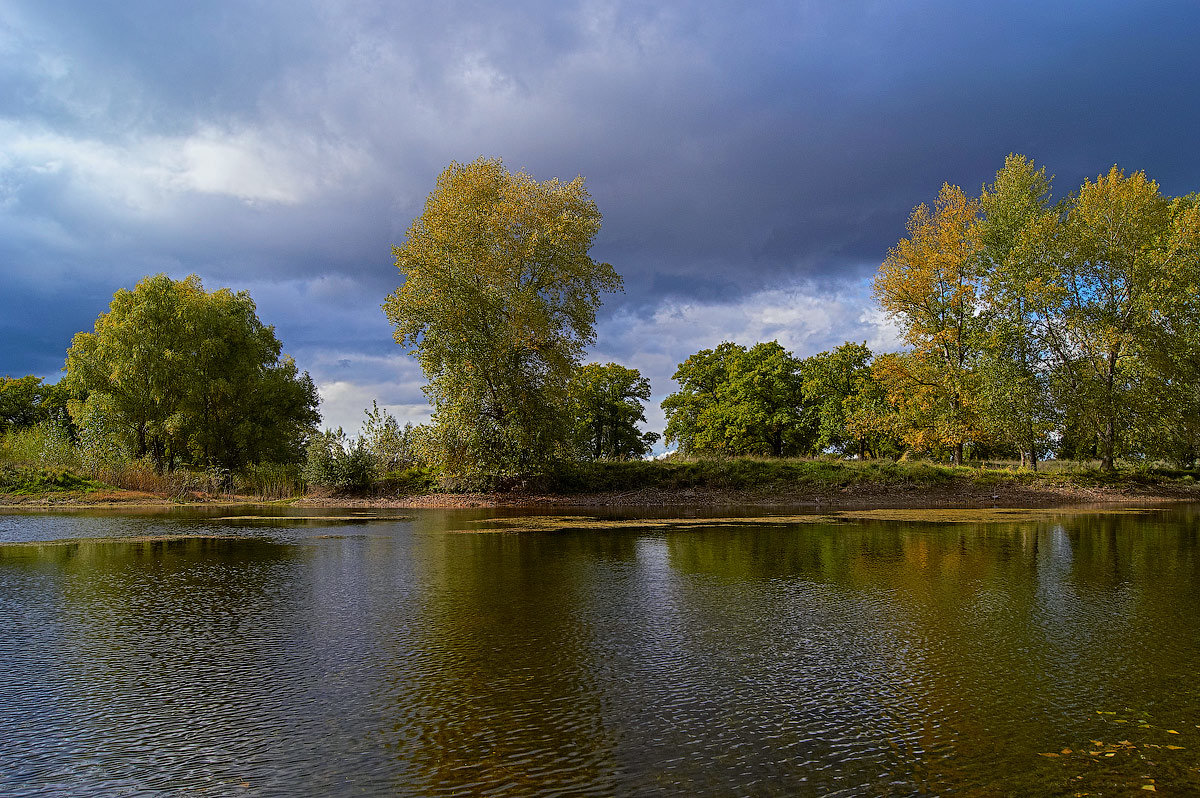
x=396 y=657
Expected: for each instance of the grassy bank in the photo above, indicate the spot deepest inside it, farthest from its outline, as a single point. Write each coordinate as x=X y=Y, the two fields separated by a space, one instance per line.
x=712 y=482
x=23 y=481
x=755 y=474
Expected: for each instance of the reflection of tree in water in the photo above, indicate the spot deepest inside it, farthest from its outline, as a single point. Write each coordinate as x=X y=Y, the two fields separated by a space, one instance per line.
x=498 y=690
x=977 y=643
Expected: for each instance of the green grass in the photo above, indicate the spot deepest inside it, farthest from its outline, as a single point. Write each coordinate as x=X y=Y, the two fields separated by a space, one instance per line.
x=29 y=481
x=767 y=474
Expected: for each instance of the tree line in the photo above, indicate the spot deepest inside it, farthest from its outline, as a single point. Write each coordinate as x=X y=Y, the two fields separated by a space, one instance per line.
x=1034 y=328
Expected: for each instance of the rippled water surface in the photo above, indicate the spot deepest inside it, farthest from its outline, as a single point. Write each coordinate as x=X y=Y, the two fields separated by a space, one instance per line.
x=183 y=654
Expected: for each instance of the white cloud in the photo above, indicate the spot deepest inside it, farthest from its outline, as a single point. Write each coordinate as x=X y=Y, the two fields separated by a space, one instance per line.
x=269 y=164
x=343 y=403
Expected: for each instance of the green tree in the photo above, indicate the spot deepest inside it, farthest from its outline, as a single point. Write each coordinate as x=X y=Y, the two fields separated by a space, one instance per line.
x=25 y=401
x=498 y=304
x=607 y=404
x=187 y=376
x=1014 y=363
x=845 y=396
x=738 y=401
x=1121 y=252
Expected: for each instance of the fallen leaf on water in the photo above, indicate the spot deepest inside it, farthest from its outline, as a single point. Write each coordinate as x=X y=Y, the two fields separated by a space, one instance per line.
x=1111 y=753
x=1065 y=751
x=1149 y=788
x=1174 y=747
x=1050 y=754
x=1172 y=731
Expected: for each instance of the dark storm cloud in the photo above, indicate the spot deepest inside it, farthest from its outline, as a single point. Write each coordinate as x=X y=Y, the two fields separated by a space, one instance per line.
x=736 y=152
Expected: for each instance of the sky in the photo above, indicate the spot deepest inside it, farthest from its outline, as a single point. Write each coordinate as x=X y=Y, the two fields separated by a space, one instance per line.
x=753 y=162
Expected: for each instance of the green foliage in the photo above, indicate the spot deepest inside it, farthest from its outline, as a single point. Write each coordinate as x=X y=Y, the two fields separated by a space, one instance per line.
x=606 y=403
x=384 y=458
x=847 y=401
x=335 y=460
x=181 y=375
x=27 y=401
x=498 y=303
x=737 y=401
x=26 y=481
x=45 y=444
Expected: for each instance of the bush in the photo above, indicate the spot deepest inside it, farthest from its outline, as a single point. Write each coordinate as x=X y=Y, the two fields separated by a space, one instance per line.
x=335 y=461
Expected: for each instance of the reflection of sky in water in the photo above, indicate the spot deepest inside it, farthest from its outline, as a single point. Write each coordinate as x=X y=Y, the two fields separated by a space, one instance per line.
x=392 y=657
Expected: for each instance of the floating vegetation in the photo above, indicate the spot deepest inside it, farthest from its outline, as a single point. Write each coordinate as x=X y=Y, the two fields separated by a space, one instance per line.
x=976 y=515
x=1145 y=757
x=958 y=515
x=356 y=518
x=577 y=523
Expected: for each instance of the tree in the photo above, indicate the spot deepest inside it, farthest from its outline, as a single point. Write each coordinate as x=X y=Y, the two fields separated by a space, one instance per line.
x=498 y=303
x=607 y=405
x=1014 y=364
x=1121 y=253
x=738 y=401
x=846 y=398
x=188 y=376
x=25 y=401
x=930 y=286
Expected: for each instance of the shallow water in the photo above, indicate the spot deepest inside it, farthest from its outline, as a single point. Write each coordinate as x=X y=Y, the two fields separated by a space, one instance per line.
x=395 y=657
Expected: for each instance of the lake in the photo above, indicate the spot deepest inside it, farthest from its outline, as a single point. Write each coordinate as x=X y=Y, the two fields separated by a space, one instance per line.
x=191 y=653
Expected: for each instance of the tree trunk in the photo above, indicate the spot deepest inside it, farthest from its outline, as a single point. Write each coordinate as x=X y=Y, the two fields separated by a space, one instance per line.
x=1032 y=447
x=958 y=453
x=1107 y=446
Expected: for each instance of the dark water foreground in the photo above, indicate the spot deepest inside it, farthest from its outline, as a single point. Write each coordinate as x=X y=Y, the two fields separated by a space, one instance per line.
x=397 y=658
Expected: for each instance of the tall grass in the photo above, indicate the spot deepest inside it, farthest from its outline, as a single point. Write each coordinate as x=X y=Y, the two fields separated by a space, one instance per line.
x=271 y=481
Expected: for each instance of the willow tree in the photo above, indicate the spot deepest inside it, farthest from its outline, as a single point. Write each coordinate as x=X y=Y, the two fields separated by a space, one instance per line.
x=498 y=304
x=179 y=374
x=930 y=286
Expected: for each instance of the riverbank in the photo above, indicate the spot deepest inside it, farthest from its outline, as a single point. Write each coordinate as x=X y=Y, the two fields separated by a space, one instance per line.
x=712 y=484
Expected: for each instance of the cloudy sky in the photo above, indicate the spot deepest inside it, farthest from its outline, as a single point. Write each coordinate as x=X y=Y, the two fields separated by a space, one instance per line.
x=753 y=161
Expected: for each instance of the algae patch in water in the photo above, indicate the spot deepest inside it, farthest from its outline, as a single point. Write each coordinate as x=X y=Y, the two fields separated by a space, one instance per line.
x=308 y=519
x=959 y=515
x=978 y=515
x=577 y=523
